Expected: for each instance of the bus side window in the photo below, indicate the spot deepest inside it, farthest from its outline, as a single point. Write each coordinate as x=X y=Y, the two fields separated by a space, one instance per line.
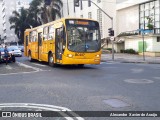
x=27 y=40
x=33 y=36
x=51 y=32
x=30 y=37
x=45 y=33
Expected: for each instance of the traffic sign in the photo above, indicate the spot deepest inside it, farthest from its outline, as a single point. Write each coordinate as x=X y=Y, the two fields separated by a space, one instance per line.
x=111 y=38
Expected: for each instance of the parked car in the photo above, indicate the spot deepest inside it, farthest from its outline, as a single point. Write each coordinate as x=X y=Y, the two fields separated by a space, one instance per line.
x=21 y=48
x=10 y=58
x=15 y=50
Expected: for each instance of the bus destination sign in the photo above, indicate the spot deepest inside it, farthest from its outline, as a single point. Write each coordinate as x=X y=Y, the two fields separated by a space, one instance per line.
x=82 y=22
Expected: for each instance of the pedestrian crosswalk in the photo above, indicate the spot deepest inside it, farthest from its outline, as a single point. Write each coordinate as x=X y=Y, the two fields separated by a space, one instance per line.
x=21 y=68
x=8 y=67
x=109 y=62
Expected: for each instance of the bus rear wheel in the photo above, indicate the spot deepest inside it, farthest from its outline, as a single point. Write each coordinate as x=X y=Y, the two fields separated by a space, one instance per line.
x=30 y=57
x=51 y=60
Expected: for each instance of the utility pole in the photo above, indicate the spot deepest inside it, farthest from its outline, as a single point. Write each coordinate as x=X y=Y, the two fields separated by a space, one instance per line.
x=111 y=25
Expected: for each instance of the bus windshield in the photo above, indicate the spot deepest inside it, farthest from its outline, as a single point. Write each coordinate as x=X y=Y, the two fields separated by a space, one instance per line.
x=83 y=35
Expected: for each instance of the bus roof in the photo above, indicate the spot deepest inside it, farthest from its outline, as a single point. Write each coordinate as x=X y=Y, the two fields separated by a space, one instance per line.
x=59 y=20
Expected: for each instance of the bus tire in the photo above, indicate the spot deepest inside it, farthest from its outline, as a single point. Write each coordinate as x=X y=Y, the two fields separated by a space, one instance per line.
x=80 y=65
x=13 y=58
x=30 y=57
x=51 y=60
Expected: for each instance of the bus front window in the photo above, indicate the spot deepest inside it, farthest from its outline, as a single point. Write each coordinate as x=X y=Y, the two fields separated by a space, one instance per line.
x=83 y=38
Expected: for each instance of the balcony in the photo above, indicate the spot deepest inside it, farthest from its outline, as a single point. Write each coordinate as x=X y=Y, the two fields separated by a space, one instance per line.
x=3 y=8
x=154 y=32
x=4 y=14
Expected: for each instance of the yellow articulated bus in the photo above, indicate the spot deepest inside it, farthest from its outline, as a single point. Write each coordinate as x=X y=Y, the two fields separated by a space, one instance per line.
x=68 y=41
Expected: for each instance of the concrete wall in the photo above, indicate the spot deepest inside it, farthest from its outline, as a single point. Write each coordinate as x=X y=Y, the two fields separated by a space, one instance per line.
x=128 y=19
x=156 y=45
x=152 y=44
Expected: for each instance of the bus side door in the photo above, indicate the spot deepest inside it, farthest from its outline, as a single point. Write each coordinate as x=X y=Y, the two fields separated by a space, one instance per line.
x=26 y=46
x=39 y=45
x=59 y=43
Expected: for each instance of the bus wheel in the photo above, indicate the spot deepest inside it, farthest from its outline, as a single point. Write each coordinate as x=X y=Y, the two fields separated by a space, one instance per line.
x=80 y=65
x=51 y=60
x=13 y=58
x=29 y=57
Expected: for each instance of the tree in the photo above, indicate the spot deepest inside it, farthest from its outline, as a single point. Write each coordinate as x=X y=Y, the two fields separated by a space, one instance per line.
x=37 y=14
x=34 y=12
x=51 y=12
x=42 y=13
x=150 y=23
x=19 y=22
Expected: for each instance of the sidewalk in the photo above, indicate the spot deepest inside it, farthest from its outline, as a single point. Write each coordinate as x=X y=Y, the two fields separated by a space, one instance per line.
x=130 y=58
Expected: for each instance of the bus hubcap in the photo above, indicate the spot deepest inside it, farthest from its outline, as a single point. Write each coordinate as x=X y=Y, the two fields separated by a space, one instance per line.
x=29 y=57
x=51 y=59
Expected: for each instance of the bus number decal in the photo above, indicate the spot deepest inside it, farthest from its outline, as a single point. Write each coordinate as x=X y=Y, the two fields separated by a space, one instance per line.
x=79 y=54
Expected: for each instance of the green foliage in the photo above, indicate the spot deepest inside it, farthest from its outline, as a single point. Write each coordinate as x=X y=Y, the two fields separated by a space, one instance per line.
x=37 y=14
x=150 y=23
x=130 y=51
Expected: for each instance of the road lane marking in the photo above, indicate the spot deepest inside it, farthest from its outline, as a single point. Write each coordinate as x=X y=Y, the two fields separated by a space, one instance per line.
x=26 y=66
x=9 y=67
x=139 y=81
x=39 y=64
x=44 y=107
x=24 y=72
x=18 y=73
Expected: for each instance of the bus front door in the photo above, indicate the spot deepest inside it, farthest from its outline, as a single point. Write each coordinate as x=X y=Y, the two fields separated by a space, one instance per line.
x=59 y=44
x=39 y=45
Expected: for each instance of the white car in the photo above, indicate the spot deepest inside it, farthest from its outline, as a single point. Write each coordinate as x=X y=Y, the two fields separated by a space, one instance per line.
x=15 y=51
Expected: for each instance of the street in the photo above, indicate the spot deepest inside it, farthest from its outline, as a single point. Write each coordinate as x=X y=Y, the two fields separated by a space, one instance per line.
x=110 y=86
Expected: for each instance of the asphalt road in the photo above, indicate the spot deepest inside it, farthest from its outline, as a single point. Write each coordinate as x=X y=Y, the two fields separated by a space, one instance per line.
x=109 y=86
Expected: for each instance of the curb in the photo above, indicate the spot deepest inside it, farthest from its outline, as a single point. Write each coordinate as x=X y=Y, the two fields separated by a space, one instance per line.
x=136 y=62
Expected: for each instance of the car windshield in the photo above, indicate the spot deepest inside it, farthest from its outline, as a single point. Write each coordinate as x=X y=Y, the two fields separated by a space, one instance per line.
x=83 y=36
x=13 y=48
x=1 y=49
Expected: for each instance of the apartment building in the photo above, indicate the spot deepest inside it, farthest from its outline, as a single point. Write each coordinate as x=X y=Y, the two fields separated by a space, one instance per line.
x=6 y=9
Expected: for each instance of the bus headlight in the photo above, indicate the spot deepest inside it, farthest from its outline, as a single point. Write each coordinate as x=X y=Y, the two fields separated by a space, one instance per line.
x=70 y=55
x=97 y=56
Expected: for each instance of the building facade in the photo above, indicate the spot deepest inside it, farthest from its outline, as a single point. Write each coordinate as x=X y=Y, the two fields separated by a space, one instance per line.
x=93 y=12
x=138 y=24
x=7 y=7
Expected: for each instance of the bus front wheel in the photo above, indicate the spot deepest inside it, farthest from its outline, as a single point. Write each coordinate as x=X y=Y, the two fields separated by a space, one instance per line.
x=80 y=65
x=51 y=60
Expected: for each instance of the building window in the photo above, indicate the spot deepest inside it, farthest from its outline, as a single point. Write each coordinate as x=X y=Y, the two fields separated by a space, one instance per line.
x=99 y=19
x=81 y=16
x=19 y=3
x=150 y=10
x=158 y=39
x=90 y=15
x=98 y=1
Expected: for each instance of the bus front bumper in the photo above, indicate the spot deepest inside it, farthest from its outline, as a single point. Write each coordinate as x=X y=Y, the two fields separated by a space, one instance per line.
x=67 y=60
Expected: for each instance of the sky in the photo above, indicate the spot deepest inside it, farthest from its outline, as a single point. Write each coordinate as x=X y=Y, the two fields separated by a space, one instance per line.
x=26 y=0
x=118 y=1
